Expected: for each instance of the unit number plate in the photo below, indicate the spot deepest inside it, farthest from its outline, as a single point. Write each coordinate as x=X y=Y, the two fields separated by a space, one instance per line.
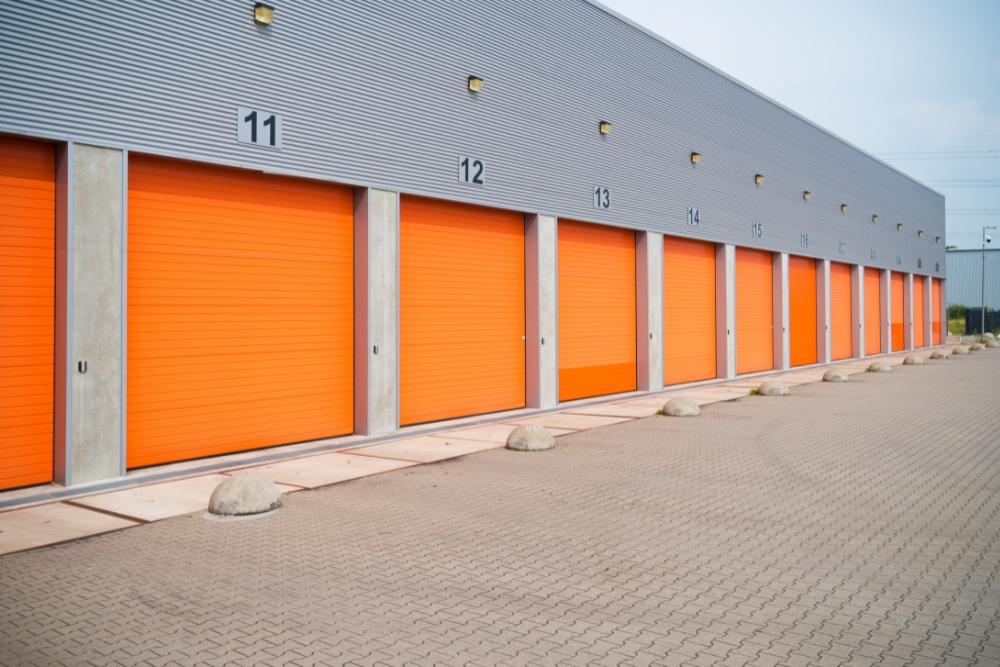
x=602 y=197
x=471 y=170
x=261 y=128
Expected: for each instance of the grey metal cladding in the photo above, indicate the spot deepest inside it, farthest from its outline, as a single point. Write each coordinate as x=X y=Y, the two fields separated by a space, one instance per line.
x=965 y=278
x=374 y=93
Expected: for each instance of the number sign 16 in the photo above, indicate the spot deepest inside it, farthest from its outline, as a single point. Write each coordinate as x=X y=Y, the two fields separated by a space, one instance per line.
x=261 y=128
x=602 y=197
x=471 y=170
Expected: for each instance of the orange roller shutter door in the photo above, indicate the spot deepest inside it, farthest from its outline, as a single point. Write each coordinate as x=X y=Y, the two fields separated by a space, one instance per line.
x=240 y=310
x=688 y=310
x=918 y=311
x=873 y=312
x=840 y=311
x=896 y=300
x=596 y=310
x=936 y=310
x=461 y=310
x=802 y=310
x=754 y=314
x=27 y=310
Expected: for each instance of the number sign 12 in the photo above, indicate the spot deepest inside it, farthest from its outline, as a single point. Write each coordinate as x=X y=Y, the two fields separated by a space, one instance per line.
x=602 y=197
x=471 y=170
x=261 y=128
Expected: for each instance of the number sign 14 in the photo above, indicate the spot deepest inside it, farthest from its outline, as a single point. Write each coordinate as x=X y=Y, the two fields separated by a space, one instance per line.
x=261 y=128
x=694 y=217
x=471 y=170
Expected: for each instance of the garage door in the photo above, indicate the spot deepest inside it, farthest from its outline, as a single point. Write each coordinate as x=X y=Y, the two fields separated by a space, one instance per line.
x=596 y=310
x=896 y=299
x=936 y=309
x=918 y=311
x=461 y=310
x=754 y=315
x=840 y=311
x=27 y=310
x=802 y=310
x=873 y=312
x=240 y=310
x=688 y=310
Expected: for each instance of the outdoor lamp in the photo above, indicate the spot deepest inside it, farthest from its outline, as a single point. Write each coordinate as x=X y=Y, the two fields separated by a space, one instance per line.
x=263 y=14
x=843 y=208
x=758 y=179
x=807 y=194
x=920 y=233
x=475 y=84
x=937 y=240
x=899 y=226
x=874 y=218
x=695 y=158
x=605 y=127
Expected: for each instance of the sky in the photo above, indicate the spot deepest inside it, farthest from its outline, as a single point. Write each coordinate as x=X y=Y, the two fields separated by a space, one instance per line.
x=914 y=83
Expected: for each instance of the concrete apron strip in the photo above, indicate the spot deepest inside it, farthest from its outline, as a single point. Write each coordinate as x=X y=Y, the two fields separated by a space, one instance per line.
x=35 y=496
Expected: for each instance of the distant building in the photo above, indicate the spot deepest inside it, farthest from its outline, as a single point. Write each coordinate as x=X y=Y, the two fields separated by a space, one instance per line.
x=965 y=277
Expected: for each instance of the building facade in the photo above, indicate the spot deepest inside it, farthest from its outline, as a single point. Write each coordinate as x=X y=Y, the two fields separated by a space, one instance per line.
x=966 y=286
x=226 y=235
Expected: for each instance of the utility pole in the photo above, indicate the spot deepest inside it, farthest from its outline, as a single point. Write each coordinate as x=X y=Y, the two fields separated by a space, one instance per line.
x=982 y=306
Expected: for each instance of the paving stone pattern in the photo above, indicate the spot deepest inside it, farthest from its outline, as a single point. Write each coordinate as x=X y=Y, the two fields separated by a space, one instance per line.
x=852 y=524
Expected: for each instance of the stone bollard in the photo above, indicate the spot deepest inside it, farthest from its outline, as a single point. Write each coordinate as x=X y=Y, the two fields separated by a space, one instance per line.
x=913 y=360
x=530 y=438
x=993 y=343
x=880 y=366
x=243 y=494
x=773 y=388
x=975 y=347
x=940 y=354
x=835 y=375
x=681 y=406
x=961 y=349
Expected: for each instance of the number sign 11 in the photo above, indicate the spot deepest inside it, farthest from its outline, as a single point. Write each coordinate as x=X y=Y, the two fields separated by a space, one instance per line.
x=261 y=128
x=471 y=170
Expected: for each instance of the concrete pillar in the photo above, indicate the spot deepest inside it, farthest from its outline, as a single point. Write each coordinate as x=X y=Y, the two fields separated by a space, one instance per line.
x=90 y=299
x=725 y=310
x=944 y=311
x=908 y=323
x=857 y=311
x=823 y=351
x=885 y=286
x=649 y=310
x=928 y=323
x=780 y=321
x=376 y=311
x=541 y=311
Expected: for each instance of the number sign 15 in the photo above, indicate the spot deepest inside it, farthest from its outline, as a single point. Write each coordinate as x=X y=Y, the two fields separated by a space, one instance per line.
x=471 y=170
x=758 y=230
x=602 y=197
x=261 y=128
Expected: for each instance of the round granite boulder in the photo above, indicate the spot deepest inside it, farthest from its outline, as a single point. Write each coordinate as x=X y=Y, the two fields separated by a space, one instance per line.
x=992 y=343
x=530 y=438
x=835 y=375
x=913 y=360
x=961 y=349
x=773 y=388
x=880 y=366
x=988 y=336
x=940 y=354
x=681 y=406
x=243 y=494
x=975 y=347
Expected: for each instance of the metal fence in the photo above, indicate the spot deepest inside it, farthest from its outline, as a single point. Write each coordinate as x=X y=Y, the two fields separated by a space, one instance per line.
x=974 y=320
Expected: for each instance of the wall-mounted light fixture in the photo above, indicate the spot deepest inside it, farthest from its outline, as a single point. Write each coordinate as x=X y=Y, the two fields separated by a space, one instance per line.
x=920 y=233
x=937 y=240
x=874 y=218
x=605 y=127
x=263 y=14
x=807 y=194
x=899 y=226
x=475 y=84
x=695 y=158
x=843 y=208
x=758 y=179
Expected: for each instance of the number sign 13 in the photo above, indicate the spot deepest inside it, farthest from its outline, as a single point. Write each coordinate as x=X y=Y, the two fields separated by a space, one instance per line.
x=602 y=197
x=471 y=170
x=261 y=128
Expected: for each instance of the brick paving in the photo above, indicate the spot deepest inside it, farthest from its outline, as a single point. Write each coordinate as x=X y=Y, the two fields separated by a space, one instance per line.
x=847 y=524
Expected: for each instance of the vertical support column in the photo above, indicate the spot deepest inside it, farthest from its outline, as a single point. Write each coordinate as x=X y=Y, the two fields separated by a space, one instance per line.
x=885 y=286
x=649 y=310
x=376 y=311
x=90 y=281
x=823 y=311
x=858 y=311
x=944 y=311
x=541 y=311
x=908 y=323
x=928 y=323
x=780 y=319
x=725 y=310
